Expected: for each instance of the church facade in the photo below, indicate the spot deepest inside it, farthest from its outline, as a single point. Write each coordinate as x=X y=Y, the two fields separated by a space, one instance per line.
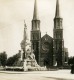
x=49 y=51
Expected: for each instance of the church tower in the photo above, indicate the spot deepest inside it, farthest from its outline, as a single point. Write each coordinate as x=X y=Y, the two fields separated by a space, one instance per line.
x=36 y=34
x=58 y=42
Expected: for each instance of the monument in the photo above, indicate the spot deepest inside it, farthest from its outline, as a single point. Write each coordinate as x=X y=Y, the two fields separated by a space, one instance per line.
x=28 y=57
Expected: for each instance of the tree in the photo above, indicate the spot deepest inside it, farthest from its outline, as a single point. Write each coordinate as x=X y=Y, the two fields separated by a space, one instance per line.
x=10 y=61
x=13 y=59
x=3 y=58
x=71 y=63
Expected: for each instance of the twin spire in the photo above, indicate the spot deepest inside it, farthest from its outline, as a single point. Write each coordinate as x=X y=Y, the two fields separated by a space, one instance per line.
x=35 y=15
x=57 y=14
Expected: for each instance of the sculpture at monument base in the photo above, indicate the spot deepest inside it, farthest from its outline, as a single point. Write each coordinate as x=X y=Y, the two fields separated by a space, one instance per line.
x=30 y=58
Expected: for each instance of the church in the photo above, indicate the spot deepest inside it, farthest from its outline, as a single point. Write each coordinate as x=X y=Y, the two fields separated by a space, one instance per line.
x=49 y=51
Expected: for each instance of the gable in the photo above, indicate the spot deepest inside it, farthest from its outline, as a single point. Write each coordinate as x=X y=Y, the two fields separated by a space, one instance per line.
x=46 y=38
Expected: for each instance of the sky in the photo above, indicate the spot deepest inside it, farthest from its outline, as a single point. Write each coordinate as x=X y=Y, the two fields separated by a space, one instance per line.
x=14 y=12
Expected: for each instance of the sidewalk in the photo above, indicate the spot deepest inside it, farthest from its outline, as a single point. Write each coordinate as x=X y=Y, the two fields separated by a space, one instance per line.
x=61 y=74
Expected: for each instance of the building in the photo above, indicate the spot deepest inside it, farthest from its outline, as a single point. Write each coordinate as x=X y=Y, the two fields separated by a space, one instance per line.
x=48 y=51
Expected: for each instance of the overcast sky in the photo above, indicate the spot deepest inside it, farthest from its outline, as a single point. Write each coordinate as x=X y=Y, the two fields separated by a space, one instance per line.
x=14 y=12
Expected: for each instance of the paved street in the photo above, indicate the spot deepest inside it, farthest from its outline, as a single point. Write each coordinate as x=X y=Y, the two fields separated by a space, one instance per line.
x=37 y=75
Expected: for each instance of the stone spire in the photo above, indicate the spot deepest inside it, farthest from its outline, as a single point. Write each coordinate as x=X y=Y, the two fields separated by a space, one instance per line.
x=35 y=14
x=57 y=14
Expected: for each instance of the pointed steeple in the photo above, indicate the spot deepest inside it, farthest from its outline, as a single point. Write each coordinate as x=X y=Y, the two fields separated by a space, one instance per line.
x=35 y=14
x=57 y=14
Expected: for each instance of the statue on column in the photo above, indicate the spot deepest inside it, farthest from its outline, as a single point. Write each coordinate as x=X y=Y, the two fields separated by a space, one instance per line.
x=24 y=41
x=23 y=47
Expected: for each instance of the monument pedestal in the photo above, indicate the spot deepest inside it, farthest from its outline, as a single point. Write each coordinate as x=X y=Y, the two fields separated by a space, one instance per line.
x=25 y=65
